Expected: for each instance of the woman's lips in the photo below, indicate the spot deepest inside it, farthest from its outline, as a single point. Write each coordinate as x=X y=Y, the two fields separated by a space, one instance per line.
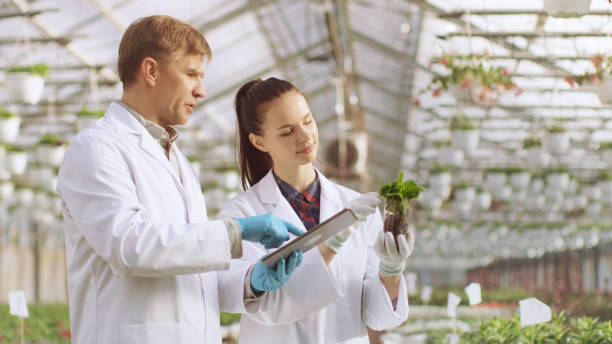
x=306 y=150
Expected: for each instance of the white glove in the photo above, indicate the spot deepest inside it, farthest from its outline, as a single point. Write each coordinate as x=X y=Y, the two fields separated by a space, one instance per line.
x=362 y=207
x=392 y=260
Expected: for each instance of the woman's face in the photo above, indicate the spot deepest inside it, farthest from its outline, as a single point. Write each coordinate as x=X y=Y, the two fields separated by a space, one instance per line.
x=288 y=132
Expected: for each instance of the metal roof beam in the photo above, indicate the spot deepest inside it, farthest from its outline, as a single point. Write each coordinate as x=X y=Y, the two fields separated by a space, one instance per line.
x=226 y=18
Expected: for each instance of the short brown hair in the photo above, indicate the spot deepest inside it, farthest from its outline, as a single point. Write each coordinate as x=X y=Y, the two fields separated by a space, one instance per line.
x=157 y=36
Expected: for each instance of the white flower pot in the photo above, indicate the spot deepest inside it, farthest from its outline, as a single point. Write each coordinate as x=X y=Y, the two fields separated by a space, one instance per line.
x=606 y=187
x=50 y=154
x=558 y=143
x=572 y=186
x=442 y=193
x=537 y=185
x=593 y=209
x=9 y=129
x=449 y=156
x=430 y=200
x=24 y=87
x=566 y=8
x=520 y=180
x=535 y=202
x=17 y=162
x=568 y=204
x=83 y=122
x=482 y=201
x=592 y=192
x=25 y=196
x=440 y=180
x=465 y=140
x=462 y=207
x=580 y=201
x=518 y=198
x=503 y=194
x=604 y=90
x=607 y=157
x=537 y=157
x=465 y=195
x=495 y=181
x=41 y=201
x=558 y=181
x=6 y=190
x=474 y=93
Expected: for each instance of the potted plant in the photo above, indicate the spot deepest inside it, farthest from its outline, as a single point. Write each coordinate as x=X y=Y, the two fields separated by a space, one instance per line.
x=439 y=177
x=566 y=8
x=397 y=196
x=51 y=149
x=495 y=179
x=86 y=117
x=24 y=195
x=465 y=134
x=447 y=155
x=558 y=140
x=605 y=148
x=429 y=199
x=482 y=200
x=16 y=159
x=25 y=83
x=471 y=79
x=464 y=192
x=596 y=79
x=557 y=179
x=519 y=178
x=6 y=189
x=537 y=157
x=9 y=126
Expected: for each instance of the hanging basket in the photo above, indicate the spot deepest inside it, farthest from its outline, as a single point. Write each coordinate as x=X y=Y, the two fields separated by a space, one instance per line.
x=24 y=87
x=466 y=140
x=537 y=157
x=567 y=8
x=16 y=162
x=449 y=156
x=558 y=143
x=50 y=154
x=9 y=129
x=603 y=90
x=520 y=180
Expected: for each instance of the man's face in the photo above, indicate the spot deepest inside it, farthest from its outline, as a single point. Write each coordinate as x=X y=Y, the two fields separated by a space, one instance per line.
x=178 y=88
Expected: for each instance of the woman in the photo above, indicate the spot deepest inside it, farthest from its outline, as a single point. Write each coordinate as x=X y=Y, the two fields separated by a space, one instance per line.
x=351 y=281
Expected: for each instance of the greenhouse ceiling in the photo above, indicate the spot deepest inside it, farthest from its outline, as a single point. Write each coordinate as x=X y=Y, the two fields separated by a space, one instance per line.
x=397 y=71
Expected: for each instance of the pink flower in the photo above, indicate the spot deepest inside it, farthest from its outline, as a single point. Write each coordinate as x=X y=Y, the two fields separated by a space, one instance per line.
x=569 y=80
x=417 y=102
x=465 y=84
x=437 y=93
x=64 y=333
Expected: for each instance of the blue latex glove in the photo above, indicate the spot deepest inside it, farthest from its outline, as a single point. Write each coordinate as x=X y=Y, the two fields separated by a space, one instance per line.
x=267 y=229
x=264 y=278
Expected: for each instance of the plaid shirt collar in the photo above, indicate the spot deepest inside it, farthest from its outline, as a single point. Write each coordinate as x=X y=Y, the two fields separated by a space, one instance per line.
x=310 y=195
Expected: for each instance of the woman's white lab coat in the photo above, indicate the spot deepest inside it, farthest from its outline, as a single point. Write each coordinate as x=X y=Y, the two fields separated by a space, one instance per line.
x=316 y=305
x=137 y=240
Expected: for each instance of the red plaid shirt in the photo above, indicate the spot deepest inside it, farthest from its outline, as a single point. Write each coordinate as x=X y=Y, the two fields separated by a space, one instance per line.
x=305 y=204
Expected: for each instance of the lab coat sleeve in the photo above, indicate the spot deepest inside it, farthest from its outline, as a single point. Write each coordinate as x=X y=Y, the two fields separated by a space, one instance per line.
x=310 y=288
x=98 y=190
x=377 y=310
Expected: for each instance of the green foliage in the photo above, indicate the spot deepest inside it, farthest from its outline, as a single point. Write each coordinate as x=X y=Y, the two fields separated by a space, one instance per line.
x=556 y=129
x=84 y=112
x=47 y=323
x=10 y=148
x=465 y=69
x=37 y=69
x=4 y=113
x=229 y=318
x=605 y=145
x=602 y=68
x=51 y=139
x=439 y=144
x=516 y=169
x=532 y=142
x=403 y=190
x=462 y=122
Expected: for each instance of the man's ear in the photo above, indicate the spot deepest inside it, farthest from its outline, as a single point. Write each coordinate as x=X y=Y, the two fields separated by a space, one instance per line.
x=149 y=69
x=257 y=141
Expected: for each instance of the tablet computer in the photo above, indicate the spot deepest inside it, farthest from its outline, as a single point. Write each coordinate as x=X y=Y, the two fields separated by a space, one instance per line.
x=313 y=237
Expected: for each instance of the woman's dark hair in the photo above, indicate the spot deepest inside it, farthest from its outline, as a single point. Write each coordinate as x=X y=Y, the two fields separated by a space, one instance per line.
x=253 y=163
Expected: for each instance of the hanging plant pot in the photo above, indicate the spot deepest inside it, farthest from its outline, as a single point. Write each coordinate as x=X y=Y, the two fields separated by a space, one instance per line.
x=495 y=180
x=593 y=209
x=16 y=161
x=466 y=140
x=24 y=87
x=25 y=196
x=580 y=201
x=442 y=193
x=9 y=128
x=462 y=208
x=592 y=192
x=518 y=198
x=440 y=179
x=465 y=194
x=566 y=8
x=482 y=201
x=603 y=89
x=430 y=200
x=520 y=180
x=6 y=189
x=537 y=157
x=449 y=156
x=607 y=157
x=50 y=154
x=557 y=180
x=535 y=202
x=86 y=117
x=558 y=143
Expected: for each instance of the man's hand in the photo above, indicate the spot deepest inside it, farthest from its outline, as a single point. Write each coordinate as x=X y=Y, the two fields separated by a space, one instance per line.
x=264 y=278
x=267 y=229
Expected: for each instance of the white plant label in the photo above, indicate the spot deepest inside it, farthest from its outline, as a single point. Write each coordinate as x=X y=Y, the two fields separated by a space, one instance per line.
x=451 y=307
x=426 y=293
x=473 y=293
x=411 y=282
x=17 y=304
x=534 y=311
x=453 y=338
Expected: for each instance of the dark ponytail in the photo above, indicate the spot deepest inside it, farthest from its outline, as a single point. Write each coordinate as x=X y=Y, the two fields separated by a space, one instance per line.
x=253 y=163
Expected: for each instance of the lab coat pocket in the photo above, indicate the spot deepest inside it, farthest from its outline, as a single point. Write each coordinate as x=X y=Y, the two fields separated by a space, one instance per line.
x=157 y=333
x=354 y=261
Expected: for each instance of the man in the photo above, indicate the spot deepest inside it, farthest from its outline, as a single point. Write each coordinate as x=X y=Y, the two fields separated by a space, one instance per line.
x=141 y=253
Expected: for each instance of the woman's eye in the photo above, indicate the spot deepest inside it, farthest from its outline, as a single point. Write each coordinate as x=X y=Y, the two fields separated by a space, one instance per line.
x=308 y=121
x=286 y=133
